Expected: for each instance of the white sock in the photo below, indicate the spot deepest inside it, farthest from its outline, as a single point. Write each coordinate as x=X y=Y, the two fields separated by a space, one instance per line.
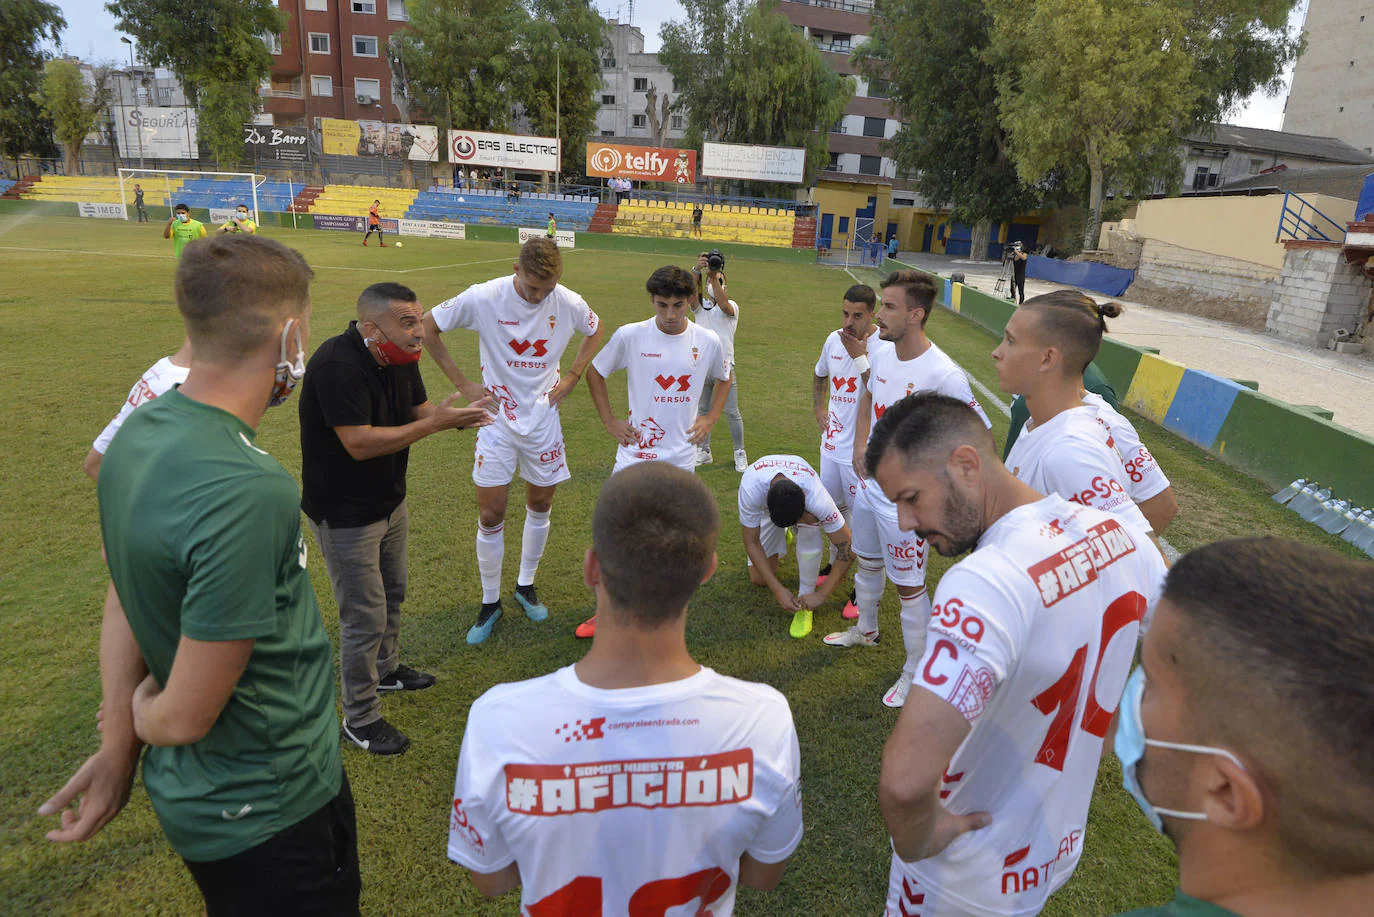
x=848 y=515
x=869 y=581
x=915 y=623
x=808 y=557
x=532 y=545
x=491 y=551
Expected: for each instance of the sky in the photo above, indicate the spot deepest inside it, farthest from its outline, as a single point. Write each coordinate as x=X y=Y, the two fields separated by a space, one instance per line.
x=91 y=35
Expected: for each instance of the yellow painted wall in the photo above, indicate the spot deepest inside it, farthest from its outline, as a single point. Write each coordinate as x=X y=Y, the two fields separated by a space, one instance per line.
x=1236 y=227
x=843 y=198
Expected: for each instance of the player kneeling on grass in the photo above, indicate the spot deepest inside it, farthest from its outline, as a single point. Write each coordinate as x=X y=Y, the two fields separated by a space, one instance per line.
x=636 y=780
x=777 y=493
x=667 y=361
x=988 y=774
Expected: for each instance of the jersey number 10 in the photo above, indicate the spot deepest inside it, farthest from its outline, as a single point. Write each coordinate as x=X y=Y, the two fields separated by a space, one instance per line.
x=582 y=896
x=1062 y=697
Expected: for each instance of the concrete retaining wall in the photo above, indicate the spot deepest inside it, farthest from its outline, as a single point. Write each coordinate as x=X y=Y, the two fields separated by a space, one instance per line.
x=1205 y=274
x=1317 y=293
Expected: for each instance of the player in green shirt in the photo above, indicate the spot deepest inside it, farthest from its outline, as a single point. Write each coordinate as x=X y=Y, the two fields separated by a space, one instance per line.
x=552 y=232
x=220 y=662
x=239 y=222
x=182 y=230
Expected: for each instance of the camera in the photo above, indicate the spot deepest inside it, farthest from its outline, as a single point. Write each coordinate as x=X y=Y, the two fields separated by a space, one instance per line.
x=715 y=261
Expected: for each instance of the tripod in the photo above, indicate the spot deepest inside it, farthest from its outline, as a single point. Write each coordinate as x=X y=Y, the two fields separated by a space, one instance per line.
x=1003 y=284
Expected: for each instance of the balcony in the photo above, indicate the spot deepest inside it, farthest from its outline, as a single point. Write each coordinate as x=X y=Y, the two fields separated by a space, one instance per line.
x=281 y=89
x=864 y=7
x=835 y=47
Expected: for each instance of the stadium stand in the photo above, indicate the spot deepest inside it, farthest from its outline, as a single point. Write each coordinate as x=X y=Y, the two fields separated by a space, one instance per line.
x=6 y=184
x=355 y=199
x=273 y=196
x=719 y=223
x=492 y=207
x=96 y=189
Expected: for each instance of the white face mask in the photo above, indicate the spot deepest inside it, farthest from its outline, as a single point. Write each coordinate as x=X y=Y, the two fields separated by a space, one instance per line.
x=289 y=372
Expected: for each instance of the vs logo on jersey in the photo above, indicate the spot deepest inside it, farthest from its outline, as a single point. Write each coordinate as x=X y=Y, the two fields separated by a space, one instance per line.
x=849 y=384
x=540 y=347
x=666 y=383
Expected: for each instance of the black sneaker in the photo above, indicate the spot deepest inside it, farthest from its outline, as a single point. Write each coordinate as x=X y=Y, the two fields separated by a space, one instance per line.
x=404 y=678
x=379 y=737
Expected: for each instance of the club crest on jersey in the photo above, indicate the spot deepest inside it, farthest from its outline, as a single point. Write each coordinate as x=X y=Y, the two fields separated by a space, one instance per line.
x=910 y=387
x=553 y=320
x=696 y=352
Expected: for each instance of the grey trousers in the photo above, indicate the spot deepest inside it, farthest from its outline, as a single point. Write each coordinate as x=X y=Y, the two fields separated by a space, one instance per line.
x=732 y=415
x=367 y=570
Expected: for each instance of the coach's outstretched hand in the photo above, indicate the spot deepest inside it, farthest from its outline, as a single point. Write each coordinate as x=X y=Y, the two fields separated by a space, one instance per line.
x=102 y=785
x=476 y=414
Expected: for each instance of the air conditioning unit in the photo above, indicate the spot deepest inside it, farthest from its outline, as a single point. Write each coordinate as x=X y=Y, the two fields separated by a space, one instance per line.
x=365 y=99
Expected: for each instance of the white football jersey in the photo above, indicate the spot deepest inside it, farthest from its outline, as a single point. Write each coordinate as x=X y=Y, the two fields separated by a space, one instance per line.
x=754 y=484
x=520 y=344
x=846 y=388
x=713 y=317
x=1074 y=456
x=158 y=380
x=1144 y=477
x=891 y=379
x=639 y=800
x=665 y=374
x=1031 y=639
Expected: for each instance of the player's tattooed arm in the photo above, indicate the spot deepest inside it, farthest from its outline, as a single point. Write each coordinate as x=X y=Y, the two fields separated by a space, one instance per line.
x=762 y=572
x=819 y=401
x=844 y=559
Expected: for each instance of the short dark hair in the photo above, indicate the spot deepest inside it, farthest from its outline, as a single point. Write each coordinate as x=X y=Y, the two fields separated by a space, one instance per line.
x=1073 y=322
x=927 y=423
x=181 y=207
x=234 y=290
x=670 y=281
x=863 y=294
x=378 y=298
x=1275 y=650
x=786 y=502
x=919 y=289
x=654 y=533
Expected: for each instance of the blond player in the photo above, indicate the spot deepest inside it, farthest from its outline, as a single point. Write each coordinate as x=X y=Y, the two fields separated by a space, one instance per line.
x=988 y=774
x=634 y=781
x=524 y=322
x=667 y=361
x=1064 y=449
x=781 y=492
x=912 y=364
x=840 y=380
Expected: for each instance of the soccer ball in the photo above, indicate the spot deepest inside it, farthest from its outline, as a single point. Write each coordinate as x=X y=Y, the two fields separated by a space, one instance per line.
x=400 y=245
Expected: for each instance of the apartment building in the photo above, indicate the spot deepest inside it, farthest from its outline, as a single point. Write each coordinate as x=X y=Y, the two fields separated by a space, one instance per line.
x=627 y=75
x=1333 y=82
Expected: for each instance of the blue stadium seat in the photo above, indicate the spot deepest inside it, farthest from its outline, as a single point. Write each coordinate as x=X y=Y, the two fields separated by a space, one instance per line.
x=491 y=207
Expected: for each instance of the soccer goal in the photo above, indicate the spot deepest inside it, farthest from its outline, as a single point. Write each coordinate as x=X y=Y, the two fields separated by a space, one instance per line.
x=239 y=187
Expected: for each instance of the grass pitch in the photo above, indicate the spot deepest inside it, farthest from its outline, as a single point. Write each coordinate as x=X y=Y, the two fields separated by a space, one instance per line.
x=88 y=306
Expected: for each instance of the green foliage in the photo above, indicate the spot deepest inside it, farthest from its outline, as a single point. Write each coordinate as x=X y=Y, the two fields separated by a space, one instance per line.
x=216 y=49
x=25 y=27
x=744 y=75
x=563 y=100
x=930 y=52
x=74 y=106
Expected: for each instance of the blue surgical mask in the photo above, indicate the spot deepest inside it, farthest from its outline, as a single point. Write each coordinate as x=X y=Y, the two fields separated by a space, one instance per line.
x=1130 y=748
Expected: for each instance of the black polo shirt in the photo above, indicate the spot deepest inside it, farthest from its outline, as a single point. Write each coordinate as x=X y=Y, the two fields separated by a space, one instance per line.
x=345 y=386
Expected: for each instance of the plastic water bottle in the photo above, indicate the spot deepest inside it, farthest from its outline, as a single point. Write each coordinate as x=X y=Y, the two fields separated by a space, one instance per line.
x=1305 y=498
x=1318 y=506
x=1291 y=491
x=1365 y=540
x=1336 y=518
x=1358 y=527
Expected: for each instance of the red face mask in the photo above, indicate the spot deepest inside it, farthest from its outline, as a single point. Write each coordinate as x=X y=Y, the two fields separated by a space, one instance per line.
x=393 y=355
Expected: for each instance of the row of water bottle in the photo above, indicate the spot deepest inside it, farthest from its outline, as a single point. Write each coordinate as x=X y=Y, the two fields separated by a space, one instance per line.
x=1314 y=503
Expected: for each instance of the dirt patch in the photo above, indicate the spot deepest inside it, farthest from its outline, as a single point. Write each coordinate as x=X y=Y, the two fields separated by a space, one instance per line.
x=1244 y=313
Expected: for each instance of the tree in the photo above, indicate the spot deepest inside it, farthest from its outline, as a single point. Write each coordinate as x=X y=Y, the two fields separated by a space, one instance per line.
x=216 y=49
x=744 y=75
x=25 y=26
x=1102 y=84
x=575 y=31
x=74 y=106
x=928 y=52
x=657 y=109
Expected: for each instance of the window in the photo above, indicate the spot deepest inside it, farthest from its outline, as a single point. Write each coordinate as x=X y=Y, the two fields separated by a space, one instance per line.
x=608 y=133
x=370 y=88
x=641 y=84
x=875 y=127
x=164 y=95
x=396 y=11
x=838 y=127
x=640 y=121
x=1256 y=165
x=364 y=46
x=319 y=42
x=322 y=86
x=1340 y=108
x=870 y=165
x=368 y=7
x=273 y=43
x=676 y=123
x=1204 y=178
x=844 y=225
x=608 y=100
x=834 y=164
x=880 y=89
x=319 y=6
x=608 y=63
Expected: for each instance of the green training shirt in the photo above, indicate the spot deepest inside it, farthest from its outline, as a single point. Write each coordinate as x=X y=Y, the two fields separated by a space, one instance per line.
x=1183 y=906
x=203 y=538
x=184 y=234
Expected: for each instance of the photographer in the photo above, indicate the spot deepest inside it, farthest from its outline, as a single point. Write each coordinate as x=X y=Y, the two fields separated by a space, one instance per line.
x=1018 y=276
x=714 y=309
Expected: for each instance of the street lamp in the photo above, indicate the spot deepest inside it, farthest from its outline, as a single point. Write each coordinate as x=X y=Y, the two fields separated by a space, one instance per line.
x=126 y=40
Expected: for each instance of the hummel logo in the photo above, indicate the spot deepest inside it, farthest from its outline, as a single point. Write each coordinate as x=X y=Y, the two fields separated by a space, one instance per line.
x=224 y=813
x=521 y=346
x=666 y=382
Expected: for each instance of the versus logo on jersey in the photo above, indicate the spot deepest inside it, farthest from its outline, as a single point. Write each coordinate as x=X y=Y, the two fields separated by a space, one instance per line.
x=579 y=730
x=540 y=348
x=848 y=384
x=553 y=789
x=683 y=383
x=1062 y=574
x=879 y=410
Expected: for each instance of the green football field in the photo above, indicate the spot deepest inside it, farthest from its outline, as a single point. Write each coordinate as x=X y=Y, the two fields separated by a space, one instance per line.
x=88 y=306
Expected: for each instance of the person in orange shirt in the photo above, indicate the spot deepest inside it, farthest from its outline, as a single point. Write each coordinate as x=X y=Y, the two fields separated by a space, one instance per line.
x=374 y=224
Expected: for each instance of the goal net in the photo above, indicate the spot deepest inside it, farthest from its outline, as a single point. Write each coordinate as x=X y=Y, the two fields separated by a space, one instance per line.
x=214 y=191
